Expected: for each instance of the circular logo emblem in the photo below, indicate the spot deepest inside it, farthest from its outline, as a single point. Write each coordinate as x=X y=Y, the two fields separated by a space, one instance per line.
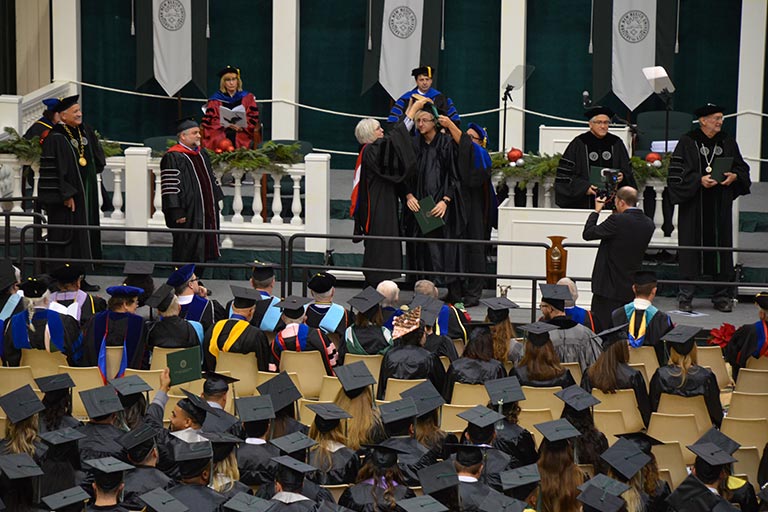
x=704 y=150
x=634 y=26
x=171 y=14
x=402 y=22
x=606 y=155
x=718 y=150
x=593 y=156
x=183 y=364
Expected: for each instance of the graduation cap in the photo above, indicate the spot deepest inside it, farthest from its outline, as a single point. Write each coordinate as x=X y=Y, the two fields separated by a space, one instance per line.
x=426 y=397
x=366 y=300
x=67 y=273
x=422 y=504
x=244 y=297
x=692 y=494
x=223 y=444
x=124 y=291
x=182 y=274
x=101 y=401
x=62 y=436
x=598 y=500
x=138 y=268
x=21 y=403
x=555 y=295
x=66 y=103
x=51 y=103
x=497 y=502
x=398 y=410
x=643 y=277
x=162 y=297
x=642 y=440
x=242 y=502
x=19 y=465
x=34 y=287
x=138 y=442
x=682 y=338
x=438 y=476
x=577 y=398
x=407 y=322
x=321 y=282
x=468 y=454
x=615 y=334
x=291 y=471
x=519 y=477
x=480 y=416
x=262 y=271
x=605 y=483
x=55 y=382
x=557 y=430
x=626 y=458
x=192 y=458
x=538 y=332
x=598 y=110
x=422 y=70
x=255 y=408
x=430 y=310
x=504 y=391
x=293 y=306
x=7 y=274
x=281 y=390
x=498 y=308
x=108 y=472
x=708 y=110
x=482 y=133
x=293 y=443
x=711 y=454
x=761 y=299
x=229 y=69
x=158 y=500
x=328 y=416
x=217 y=383
x=196 y=407
x=354 y=378
x=130 y=385
x=719 y=439
x=185 y=123
x=384 y=455
x=65 y=498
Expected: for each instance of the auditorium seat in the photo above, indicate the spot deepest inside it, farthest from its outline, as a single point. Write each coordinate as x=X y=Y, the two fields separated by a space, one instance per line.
x=159 y=357
x=42 y=362
x=459 y=344
x=752 y=381
x=114 y=359
x=680 y=428
x=329 y=388
x=669 y=456
x=645 y=355
x=542 y=398
x=240 y=366
x=610 y=422
x=712 y=358
x=748 y=462
x=262 y=377
x=306 y=415
x=85 y=378
x=469 y=394
x=446 y=362
x=336 y=490
x=747 y=431
x=623 y=400
x=674 y=404
x=641 y=368
x=151 y=377
x=397 y=386
x=748 y=405
x=14 y=377
x=308 y=366
x=449 y=419
x=373 y=362
x=575 y=370
x=530 y=417
x=757 y=364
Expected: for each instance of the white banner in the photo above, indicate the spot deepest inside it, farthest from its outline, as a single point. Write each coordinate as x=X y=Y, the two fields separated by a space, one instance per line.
x=400 y=45
x=634 y=47
x=172 y=43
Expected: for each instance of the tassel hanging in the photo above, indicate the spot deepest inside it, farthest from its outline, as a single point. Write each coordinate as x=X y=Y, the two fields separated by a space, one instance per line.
x=133 y=25
x=677 y=29
x=442 y=26
x=591 y=24
x=370 y=15
x=207 y=19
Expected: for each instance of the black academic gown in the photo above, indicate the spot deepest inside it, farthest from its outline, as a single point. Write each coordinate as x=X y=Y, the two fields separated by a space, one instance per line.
x=198 y=498
x=62 y=178
x=36 y=338
x=118 y=329
x=170 y=332
x=141 y=480
x=250 y=341
x=190 y=191
x=107 y=508
x=92 y=305
x=224 y=422
x=585 y=151
x=704 y=215
x=573 y=342
x=748 y=341
x=362 y=497
x=657 y=501
x=306 y=339
x=345 y=464
x=472 y=495
x=368 y=340
x=441 y=346
x=516 y=442
x=100 y=441
x=65 y=421
x=205 y=311
x=436 y=177
x=495 y=462
x=742 y=493
x=385 y=165
x=310 y=489
x=659 y=325
x=628 y=378
x=410 y=362
x=521 y=372
x=472 y=371
x=415 y=458
x=237 y=488
x=255 y=463
x=700 y=381
x=315 y=314
x=296 y=506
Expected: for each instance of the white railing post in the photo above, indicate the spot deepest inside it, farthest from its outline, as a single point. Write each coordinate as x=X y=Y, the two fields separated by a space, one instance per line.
x=529 y=194
x=317 y=200
x=18 y=172
x=226 y=242
x=100 y=190
x=511 y=184
x=256 y=204
x=658 y=212
x=157 y=199
x=137 y=194
x=10 y=112
x=296 y=203
x=117 y=194
x=277 y=200
x=548 y=184
x=237 y=200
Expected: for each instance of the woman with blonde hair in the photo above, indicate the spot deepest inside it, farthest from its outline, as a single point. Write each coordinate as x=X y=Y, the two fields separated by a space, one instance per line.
x=683 y=376
x=21 y=432
x=560 y=476
x=244 y=134
x=225 y=474
x=356 y=398
x=540 y=365
x=502 y=332
x=337 y=464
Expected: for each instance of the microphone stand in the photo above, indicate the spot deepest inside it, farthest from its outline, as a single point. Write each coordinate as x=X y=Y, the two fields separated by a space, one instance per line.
x=667 y=97
x=506 y=97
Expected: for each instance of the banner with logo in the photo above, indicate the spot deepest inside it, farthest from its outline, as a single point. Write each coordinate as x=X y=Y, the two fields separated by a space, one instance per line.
x=629 y=35
x=171 y=44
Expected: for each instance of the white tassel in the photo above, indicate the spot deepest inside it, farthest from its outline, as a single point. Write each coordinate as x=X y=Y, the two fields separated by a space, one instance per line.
x=591 y=24
x=370 y=16
x=133 y=26
x=442 y=26
x=208 y=20
x=677 y=29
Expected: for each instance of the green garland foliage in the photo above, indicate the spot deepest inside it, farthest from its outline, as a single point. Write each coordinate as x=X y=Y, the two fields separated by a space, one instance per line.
x=270 y=157
x=109 y=148
x=537 y=167
x=644 y=172
x=26 y=150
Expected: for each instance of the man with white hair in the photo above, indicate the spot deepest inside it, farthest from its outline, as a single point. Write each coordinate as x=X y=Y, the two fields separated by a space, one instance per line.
x=576 y=313
x=190 y=196
x=389 y=307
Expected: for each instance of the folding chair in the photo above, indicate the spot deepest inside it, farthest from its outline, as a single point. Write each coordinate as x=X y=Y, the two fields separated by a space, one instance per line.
x=669 y=456
x=262 y=377
x=679 y=428
x=610 y=423
x=42 y=362
x=459 y=344
x=151 y=377
x=14 y=377
x=373 y=362
x=84 y=378
x=449 y=419
x=336 y=490
x=114 y=358
x=674 y=404
x=469 y=394
x=641 y=368
x=446 y=362
x=622 y=400
x=397 y=386
x=160 y=357
x=306 y=415
x=757 y=364
x=752 y=381
x=308 y=366
x=748 y=458
x=575 y=370
x=530 y=417
x=747 y=431
x=748 y=405
x=240 y=366
x=542 y=398
x=645 y=355
x=329 y=388
x=712 y=358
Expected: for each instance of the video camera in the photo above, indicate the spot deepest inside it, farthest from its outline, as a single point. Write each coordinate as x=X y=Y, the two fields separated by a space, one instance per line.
x=610 y=181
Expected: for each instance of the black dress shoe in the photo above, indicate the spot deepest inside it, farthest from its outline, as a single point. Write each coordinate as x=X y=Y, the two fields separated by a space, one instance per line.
x=88 y=287
x=685 y=306
x=724 y=306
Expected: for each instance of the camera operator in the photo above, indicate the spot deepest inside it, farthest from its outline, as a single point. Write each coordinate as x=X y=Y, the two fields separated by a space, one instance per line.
x=595 y=148
x=624 y=237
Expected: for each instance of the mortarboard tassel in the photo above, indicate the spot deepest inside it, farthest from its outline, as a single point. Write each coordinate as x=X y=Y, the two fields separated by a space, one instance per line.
x=677 y=29
x=208 y=19
x=591 y=24
x=133 y=26
x=442 y=26
x=370 y=15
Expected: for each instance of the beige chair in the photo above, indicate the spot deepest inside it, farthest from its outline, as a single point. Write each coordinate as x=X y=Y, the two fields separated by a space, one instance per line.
x=397 y=386
x=373 y=362
x=306 y=415
x=329 y=388
x=459 y=344
x=575 y=370
x=747 y=431
x=748 y=458
x=748 y=405
x=641 y=368
x=757 y=364
x=42 y=362
x=240 y=366
x=446 y=362
x=469 y=394
x=679 y=428
x=645 y=355
x=151 y=377
x=3 y=425
x=622 y=400
x=610 y=423
x=14 y=377
x=308 y=366
x=542 y=398
x=449 y=419
x=114 y=358
x=418 y=491
x=669 y=456
x=336 y=490
x=530 y=417
x=674 y=404
x=160 y=357
x=752 y=381
x=665 y=475
x=262 y=377
x=84 y=378
x=587 y=469
x=712 y=358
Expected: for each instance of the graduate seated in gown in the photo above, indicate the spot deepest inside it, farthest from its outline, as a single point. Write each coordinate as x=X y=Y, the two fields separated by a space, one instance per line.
x=647 y=324
x=284 y=394
x=749 y=340
x=194 y=462
x=440 y=482
x=193 y=298
x=80 y=305
x=481 y=430
x=574 y=312
x=438 y=344
x=225 y=473
x=540 y=365
x=216 y=395
x=169 y=330
x=476 y=365
x=57 y=401
x=469 y=465
x=426 y=426
x=337 y=464
x=577 y=409
x=141 y=452
x=323 y=313
x=11 y=302
x=655 y=488
x=108 y=475
x=511 y=437
x=367 y=335
x=254 y=456
x=497 y=316
x=289 y=485
x=102 y=405
x=266 y=316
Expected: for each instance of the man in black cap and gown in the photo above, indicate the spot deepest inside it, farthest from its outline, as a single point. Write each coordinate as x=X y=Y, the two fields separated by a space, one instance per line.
x=749 y=340
x=141 y=452
x=595 y=148
x=706 y=203
x=108 y=474
x=322 y=312
x=254 y=456
x=102 y=404
x=289 y=483
x=194 y=462
x=71 y=159
x=216 y=394
x=71 y=298
x=190 y=196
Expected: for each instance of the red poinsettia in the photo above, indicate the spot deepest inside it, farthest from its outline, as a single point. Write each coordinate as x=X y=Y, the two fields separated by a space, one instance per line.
x=721 y=336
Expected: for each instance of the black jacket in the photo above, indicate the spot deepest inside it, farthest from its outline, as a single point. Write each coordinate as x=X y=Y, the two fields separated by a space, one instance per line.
x=472 y=371
x=255 y=463
x=360 y=497
x=628 y=378
x=141 y=480
x=700 y=381
x=410 y=362
x=345 y=464
x=516 y=442
x=521 y=372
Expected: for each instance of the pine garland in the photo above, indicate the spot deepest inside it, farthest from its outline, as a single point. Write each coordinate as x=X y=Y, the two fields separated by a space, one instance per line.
x=26 y=150
x=270 y=157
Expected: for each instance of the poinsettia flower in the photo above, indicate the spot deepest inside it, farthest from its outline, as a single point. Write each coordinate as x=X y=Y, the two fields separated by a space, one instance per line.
x=722 y=335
